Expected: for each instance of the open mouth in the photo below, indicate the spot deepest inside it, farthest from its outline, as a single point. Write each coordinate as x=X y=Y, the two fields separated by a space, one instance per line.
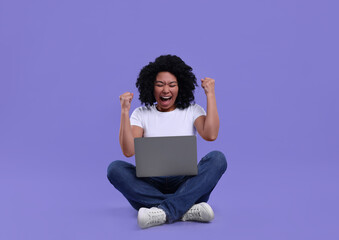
x=165 y=99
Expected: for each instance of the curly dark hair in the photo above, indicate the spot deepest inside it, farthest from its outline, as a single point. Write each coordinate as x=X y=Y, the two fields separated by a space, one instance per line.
x=176 y=66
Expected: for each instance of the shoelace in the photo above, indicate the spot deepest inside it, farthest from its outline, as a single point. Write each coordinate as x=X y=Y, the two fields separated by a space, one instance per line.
x=155 y=217
x=194 y=213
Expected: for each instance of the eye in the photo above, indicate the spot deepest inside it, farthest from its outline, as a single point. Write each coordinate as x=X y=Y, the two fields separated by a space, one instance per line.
x=159 y=85
x=173 y=85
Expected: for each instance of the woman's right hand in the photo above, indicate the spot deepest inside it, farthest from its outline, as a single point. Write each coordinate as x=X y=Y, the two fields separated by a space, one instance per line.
x=125 y=101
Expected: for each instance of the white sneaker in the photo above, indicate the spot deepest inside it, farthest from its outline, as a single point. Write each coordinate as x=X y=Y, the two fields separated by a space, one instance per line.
x=201 y=212
x=149 y=217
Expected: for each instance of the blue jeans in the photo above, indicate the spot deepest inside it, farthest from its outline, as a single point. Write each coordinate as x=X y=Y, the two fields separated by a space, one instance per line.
x=175 y=194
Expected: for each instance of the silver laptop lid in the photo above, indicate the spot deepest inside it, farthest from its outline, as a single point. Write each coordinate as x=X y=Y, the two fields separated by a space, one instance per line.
x=166 y=156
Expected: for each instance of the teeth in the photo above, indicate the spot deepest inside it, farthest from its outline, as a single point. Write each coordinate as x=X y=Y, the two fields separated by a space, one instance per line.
x=166 y=97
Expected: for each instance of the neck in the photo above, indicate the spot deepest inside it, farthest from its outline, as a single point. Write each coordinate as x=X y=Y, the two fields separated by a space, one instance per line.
x=165 y=110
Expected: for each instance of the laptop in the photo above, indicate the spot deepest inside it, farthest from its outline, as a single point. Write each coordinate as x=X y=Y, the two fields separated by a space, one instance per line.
x=166 y=156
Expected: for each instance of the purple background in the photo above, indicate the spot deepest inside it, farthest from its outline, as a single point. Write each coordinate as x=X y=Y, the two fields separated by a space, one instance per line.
x=63 y=65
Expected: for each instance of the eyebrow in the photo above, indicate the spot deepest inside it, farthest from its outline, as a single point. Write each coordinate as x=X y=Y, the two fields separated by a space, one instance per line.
x=168 y=83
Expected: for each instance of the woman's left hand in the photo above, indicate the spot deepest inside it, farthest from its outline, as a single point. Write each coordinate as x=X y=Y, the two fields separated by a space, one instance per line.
x=208 y=85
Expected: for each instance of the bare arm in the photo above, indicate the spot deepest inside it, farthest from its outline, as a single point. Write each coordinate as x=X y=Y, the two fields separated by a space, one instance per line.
x=127 y=133
x=208 y=126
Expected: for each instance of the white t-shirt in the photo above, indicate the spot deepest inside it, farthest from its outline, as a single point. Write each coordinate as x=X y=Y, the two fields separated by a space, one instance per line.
x=179 y=122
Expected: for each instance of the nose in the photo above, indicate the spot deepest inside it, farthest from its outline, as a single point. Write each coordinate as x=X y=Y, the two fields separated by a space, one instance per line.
x=165 y=88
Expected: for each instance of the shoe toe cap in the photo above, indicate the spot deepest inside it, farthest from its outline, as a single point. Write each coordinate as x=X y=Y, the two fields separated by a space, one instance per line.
x=208 y=214
x=142 y=219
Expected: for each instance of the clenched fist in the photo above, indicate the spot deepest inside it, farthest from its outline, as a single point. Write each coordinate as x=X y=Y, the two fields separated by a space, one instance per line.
x=125 y=100
x=208 y=85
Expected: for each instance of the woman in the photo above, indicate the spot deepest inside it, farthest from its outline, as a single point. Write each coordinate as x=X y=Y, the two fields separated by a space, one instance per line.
x=170 y=83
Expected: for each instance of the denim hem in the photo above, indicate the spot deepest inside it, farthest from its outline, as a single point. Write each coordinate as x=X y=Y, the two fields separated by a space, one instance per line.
x=166 y=212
